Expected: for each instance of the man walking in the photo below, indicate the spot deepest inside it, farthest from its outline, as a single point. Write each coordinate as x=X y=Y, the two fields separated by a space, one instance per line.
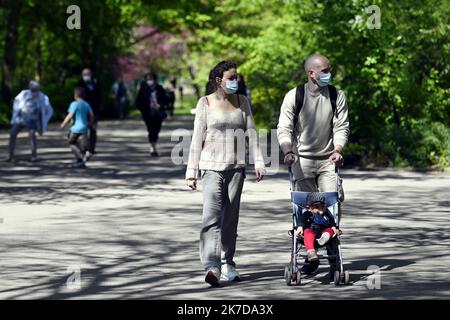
x=313 y=129
x=94 y=99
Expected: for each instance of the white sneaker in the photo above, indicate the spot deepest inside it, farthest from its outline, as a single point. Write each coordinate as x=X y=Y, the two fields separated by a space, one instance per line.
x=212 y=276
x=229 y=273
x=324 y=238
x=87 y=156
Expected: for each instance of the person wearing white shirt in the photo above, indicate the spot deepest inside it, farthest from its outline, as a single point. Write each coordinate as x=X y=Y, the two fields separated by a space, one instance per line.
x=32 y=111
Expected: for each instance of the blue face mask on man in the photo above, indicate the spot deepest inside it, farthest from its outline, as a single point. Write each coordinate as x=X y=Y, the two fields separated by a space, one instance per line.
x=324 y=80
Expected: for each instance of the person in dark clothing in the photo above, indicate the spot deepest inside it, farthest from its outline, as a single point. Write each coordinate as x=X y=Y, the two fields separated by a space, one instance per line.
x=180 y=91
x=152 y=102
x=120 y=98
x=94 y=98
x=170 y=91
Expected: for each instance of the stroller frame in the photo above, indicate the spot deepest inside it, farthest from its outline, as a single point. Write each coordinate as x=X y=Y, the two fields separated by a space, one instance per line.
x=292 y=273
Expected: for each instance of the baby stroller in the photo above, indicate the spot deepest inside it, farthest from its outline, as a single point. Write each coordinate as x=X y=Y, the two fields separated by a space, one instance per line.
x=292 y=272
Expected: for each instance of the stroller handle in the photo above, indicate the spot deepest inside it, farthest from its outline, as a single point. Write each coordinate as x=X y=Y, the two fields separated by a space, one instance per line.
x=338 y=179
x=292 y=181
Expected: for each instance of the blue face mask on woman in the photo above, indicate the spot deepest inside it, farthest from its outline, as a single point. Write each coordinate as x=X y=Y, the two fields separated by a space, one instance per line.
x=324 y=80
x=231 y=86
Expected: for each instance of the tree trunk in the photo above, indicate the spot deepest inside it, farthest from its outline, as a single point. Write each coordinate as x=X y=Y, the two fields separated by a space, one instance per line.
x=196 y=88
x=38 y=61
x=10 y=54
x=86 y=52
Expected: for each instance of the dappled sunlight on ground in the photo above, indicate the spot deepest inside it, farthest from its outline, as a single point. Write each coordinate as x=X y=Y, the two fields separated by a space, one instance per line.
x=132 y=227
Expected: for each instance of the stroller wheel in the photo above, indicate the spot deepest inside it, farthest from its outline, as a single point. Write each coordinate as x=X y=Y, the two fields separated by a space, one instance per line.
x=298 y=280
x=337 y=278
x=287 y=274
x=346 y=277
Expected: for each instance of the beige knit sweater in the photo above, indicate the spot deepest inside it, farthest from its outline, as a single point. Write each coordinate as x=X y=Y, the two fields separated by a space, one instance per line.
x=218 y=140
x=318 y=131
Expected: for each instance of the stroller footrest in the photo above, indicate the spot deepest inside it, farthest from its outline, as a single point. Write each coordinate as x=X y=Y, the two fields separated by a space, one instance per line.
x=321 y=256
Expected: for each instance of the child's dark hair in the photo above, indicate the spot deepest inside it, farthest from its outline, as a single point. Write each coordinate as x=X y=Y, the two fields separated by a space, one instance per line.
x=80 y=92
x=217 y=72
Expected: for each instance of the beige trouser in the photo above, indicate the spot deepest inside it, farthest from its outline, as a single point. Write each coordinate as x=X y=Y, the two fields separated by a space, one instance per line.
x=317 y=175
x=314 y=175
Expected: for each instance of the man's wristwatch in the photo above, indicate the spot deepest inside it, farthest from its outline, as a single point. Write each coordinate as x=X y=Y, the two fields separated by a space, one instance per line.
x=289 y=152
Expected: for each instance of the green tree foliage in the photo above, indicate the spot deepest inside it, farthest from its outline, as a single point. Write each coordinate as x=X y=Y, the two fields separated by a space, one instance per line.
x=48 y=51
x=396 y=77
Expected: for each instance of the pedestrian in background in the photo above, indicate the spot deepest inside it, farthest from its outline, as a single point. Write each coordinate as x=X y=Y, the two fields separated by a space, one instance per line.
x=94 y=98
x=152 y=101
x=120 y=98
x=32 y=111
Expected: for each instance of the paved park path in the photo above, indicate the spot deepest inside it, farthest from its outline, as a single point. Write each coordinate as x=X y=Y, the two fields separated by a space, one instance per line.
x=131 y=227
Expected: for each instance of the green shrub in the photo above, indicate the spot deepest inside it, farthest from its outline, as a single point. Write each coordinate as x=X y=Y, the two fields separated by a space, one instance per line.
x=420 y=144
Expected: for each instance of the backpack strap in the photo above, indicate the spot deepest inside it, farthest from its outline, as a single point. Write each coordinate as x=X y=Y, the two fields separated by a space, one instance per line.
x=333 y=97
x=300 y=97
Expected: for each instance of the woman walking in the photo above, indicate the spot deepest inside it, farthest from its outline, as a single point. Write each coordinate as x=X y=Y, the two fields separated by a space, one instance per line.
x=152 y=101
x=219 y=119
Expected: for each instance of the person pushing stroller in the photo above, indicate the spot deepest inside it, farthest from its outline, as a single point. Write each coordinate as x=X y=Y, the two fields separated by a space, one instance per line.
x=316 y=221
x=313 y=129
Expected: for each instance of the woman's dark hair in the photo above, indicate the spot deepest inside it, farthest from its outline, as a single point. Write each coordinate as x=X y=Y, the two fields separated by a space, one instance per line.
x=242 y=87
x=217 y=72
x=151 y=74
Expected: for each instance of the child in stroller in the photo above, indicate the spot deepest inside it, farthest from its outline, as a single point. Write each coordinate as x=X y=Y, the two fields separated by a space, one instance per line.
x=315 y=214
x=315 y=221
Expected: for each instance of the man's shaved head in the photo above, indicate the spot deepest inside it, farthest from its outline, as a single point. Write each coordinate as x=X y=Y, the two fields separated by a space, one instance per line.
x=315 y=61
x=86 y=71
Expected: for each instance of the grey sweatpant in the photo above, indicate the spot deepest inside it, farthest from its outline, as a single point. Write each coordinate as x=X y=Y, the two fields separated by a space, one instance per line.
x=13 y=136
x=221 y=201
